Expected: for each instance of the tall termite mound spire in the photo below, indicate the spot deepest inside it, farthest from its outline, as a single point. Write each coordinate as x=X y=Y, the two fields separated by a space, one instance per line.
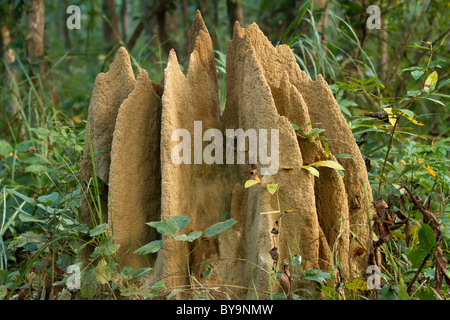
x=309 y=217
x=135 y=171
x=110 y=90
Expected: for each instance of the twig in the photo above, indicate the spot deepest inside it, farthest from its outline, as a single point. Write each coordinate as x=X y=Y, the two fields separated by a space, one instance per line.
x=408 y=290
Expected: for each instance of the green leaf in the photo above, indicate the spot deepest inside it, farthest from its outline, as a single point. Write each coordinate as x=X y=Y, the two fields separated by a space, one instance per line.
x=174 y=292
x=343 y=156
x=431 y=81
x=163 y=227
x=141 y=272
x=180 y=221
x=402 y=294
x=436 y=101
x=25 y=217
x=388 y=292
x=5 y=148
x=416 y=257
x=412 y=93
x=378 y=84
x=101 y=228
x=427 y=238
x=416 y=74
x=443 y=83
x=24 y=145
x=314 y=131
x=191 y=237
x=158 y=285
x=89 y=284
x=37 y=168
x=419 y=47
x=296 y=127
x=412 y=68
x=435 y=63
x=106 y=247
x=219 y=227
x=272 y=188
x=127 y=272
x=171 y=226
x=27 y=238
x=441 y=95
x=316 y=275
x=49 y=198
x=150 y=247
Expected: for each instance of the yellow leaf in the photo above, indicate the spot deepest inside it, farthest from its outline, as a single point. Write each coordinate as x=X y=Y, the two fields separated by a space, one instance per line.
x=419 y=123
x=101 y=272
x=272 y=188
x=250 y=183
x=391 y=116
x=430 y=83
x=330 y=164
x=357 y=284
x=312 y=170
x=429 y=170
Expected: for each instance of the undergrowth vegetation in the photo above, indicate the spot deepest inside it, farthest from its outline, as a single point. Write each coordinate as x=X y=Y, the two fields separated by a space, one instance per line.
x=391 y=85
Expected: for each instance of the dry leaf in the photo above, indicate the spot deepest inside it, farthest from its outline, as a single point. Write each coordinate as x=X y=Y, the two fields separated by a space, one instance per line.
x=274 y=253
x=286 y=278
x=380 y=205
x=358 y=251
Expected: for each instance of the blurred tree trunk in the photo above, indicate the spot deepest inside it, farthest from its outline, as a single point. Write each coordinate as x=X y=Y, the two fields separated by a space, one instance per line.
x=111 y=23
x=147 y=18
x=35 y=33
x=185 y=17
x=234 y=8
x=124 y=19
x=168 y=26
x=384 y=47
x=321 y=5
x=12 y=106
x=35 y=48
x=65 y=30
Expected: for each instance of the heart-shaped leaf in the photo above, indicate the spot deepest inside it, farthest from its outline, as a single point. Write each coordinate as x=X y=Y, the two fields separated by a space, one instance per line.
x=99 y=229
x=191 y=237
x=272 y=188
x=427 y=238
x=416 y=74
x=219 y=227
x=150 y=247
x=171 y=226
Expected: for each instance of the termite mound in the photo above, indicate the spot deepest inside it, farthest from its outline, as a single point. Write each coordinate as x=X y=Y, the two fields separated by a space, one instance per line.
x=266 y=89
